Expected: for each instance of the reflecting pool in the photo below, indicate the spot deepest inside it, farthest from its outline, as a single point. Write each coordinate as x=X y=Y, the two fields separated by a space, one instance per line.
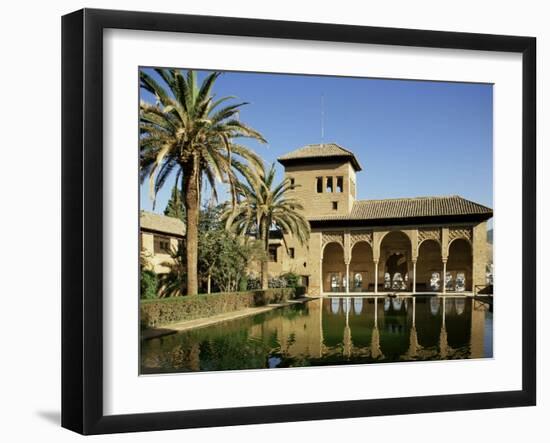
x=331 y=331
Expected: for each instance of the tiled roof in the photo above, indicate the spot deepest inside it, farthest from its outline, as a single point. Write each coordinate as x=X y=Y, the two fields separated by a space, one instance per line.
x=161 y=223
x=411 y=208
x=320 y=150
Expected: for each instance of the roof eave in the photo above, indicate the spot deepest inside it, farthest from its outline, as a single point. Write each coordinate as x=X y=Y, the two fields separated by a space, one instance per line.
x=309 y=160
x=399 y=221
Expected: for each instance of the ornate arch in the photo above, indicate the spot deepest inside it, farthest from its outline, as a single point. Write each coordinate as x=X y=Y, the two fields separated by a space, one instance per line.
x=405 y=233
x=361 y=236
x=428 y=234
x=332 y=237
x=459 y=233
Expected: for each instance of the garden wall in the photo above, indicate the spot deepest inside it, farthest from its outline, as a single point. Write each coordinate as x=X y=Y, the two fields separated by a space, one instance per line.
x=159 y=312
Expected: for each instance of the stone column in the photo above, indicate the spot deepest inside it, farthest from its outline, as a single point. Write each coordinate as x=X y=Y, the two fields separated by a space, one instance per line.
x=347 y=277
x=444 y=275
x=321 y=277
x=376 y=276
x=414 y=276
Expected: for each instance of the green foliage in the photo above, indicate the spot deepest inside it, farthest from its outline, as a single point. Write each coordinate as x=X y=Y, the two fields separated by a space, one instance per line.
x=173 y=283
x=264 y=205
x=162 y=311
x=175 y=206
x=192 y=135
x=253 y=283
x=186 y=125
x=222 y=255
x=243 y=283
x=292 y=279
x=148 y=284
x=299 y=291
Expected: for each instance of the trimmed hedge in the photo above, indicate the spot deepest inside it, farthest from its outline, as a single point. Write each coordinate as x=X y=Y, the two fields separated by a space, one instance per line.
x=161 y=311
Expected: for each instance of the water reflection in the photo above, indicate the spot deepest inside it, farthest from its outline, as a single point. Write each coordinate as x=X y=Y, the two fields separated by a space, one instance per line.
x=331 y=331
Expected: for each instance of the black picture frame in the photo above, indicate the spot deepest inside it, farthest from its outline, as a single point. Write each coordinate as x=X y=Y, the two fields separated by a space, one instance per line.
x=82 y=218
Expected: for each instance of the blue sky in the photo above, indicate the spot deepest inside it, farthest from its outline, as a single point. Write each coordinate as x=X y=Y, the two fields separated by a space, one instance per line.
x=412 y=138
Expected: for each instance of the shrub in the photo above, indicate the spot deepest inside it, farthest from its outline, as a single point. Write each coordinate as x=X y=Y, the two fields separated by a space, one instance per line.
x=148 y=284
x=243 y=283
x=292 y=279
x=253 y=283
x=166 y=310
x=277 y=282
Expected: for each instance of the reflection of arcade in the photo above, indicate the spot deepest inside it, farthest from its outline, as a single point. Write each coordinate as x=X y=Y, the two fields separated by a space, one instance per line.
x=332 y=330
x=403 y=328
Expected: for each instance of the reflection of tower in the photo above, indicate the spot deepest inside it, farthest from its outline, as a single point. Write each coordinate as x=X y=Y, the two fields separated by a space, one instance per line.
x=347 y=330
x=477 y=331
x=443 y=345
x=319 y=304
x=376 y=352
x=414 y=346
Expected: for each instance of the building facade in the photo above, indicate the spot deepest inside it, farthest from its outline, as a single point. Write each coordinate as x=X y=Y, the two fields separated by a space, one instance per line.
x=423 y=244
x=159 y=237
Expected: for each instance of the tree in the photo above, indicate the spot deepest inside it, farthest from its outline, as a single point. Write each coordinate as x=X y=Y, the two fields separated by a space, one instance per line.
x=186 y=132
x=263 y=206
x=175 y=207
x=170 y=284
x=223 y=257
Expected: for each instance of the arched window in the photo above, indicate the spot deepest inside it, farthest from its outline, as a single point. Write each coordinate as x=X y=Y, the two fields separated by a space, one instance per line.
x=357 y=281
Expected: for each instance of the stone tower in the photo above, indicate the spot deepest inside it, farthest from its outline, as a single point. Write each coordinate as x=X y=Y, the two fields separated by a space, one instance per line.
x=324 y=176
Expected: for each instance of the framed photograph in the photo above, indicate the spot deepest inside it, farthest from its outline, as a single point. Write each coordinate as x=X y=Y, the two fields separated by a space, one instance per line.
x=269 y=221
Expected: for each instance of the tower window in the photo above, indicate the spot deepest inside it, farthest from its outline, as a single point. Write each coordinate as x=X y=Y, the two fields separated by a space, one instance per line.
x=291 y=252
x=272 y=252
x=335 y=205
x=292 y=181
x=329 y=185
x=319 y=184
x=340 y=184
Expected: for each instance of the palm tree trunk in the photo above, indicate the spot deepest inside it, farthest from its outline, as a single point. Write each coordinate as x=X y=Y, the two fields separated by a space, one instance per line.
x=265 y=260
x=191 y=189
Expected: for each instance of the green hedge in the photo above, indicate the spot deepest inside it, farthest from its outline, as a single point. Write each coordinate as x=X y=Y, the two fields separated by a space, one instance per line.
x=148 y=284
x=158 y=312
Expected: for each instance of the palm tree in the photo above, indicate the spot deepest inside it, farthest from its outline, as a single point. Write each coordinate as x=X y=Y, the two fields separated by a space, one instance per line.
x=264 y=205
x=170 y=283
x=188 y=133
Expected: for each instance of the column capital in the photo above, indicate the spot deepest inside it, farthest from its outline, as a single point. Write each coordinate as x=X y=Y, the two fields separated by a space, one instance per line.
x=444 y=260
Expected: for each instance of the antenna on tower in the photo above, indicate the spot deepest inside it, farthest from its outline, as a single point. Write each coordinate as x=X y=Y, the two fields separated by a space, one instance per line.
x=322 y=119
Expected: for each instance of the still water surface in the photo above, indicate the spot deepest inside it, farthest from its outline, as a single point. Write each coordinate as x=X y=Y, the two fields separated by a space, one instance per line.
x=331 y=331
